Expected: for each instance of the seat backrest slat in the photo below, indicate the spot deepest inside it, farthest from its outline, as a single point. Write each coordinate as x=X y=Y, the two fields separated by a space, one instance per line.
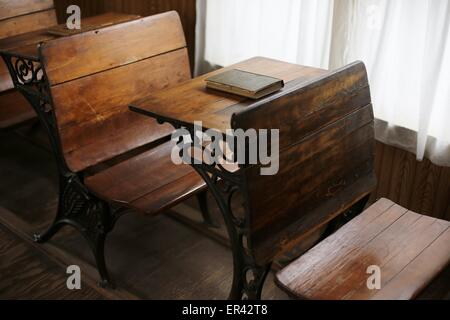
x=91 y=52
x=105 y=71
x=21 y=16
x=10 y=9
x=325 y=160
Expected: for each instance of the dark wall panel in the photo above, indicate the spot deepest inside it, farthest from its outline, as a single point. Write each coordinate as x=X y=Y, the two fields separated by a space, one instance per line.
x=419 y=186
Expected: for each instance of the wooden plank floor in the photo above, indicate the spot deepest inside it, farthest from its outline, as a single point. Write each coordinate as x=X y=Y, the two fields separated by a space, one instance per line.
x=149 y=258
x=26 y=273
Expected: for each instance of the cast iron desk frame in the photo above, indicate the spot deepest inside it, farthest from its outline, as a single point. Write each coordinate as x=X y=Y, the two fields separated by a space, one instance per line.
x=93 y=217
x=77 y=206
x=248 y=276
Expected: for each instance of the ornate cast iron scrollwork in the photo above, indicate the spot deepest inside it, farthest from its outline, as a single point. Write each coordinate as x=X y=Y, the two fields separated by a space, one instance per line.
x=27 y=75
x=29 y=78
x=248 y=277
x=92 y=217
x=27 y=71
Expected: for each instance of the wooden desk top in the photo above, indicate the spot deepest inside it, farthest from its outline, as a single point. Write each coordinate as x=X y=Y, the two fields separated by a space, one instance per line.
x=191 y=101
x=26 y=44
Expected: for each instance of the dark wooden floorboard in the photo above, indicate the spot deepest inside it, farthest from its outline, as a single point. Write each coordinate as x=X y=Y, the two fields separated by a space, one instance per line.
x=26 y=273
x=149 y=257
x=25 y=168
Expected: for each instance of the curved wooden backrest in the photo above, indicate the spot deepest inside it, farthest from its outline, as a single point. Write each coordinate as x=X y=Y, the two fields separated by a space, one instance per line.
x=20 y=16
x=325 y=161
x=95 y=75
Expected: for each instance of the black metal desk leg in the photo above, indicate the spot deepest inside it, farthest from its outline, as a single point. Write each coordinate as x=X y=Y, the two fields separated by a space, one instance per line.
x=248 y=278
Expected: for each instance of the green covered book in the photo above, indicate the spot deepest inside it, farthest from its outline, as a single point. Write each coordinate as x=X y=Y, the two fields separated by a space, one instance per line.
x=243 y=83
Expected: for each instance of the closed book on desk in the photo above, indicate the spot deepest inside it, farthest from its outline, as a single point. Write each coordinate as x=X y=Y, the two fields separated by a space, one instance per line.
x=243 y=83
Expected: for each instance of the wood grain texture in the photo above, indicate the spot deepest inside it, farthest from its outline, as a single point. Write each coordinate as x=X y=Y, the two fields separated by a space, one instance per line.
x=149 y=258
x=326 y=150
x=419 y=186
x=324 y=99
x=21 y=24
x=9 y=9
x=191 y=101
x=143 y=259
x=19 y=17
x=107 y=69
x=83 y=54
x=97 y=125
x=28 y=274
x=185 y=8
x=14 y=112
x=88 y=8
x=149 y=182
x=405 y=162
x=28 y=41
x=325 y=122
x=410 y=249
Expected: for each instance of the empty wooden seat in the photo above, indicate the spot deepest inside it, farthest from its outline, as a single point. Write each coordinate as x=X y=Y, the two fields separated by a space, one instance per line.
x=110 y=159
x=410 y=249
x=91 y=88
x=149 y=182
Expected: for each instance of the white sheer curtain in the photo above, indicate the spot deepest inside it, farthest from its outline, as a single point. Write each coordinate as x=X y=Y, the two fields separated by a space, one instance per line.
x=405 y=45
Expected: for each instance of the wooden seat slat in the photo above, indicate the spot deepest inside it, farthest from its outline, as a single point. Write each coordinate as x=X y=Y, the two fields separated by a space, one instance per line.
x=103 y=75
x=10 y=9
x=395 y=240
x=91 y=90
x=111 y=47
x=26 y=43
x=149 y=182
x=89 y=125
x=31 y=22
x=170 y=194
x=41 y=35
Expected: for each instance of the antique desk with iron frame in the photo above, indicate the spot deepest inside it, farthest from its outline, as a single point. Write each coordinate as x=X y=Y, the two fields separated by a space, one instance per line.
x=26 y=44
x=25 y=72
x=191 y=102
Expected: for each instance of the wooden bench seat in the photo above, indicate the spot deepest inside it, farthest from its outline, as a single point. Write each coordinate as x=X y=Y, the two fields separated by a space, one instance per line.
x=149 y=182
x=110 y=159
x=324 y=177
x=410 y=249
